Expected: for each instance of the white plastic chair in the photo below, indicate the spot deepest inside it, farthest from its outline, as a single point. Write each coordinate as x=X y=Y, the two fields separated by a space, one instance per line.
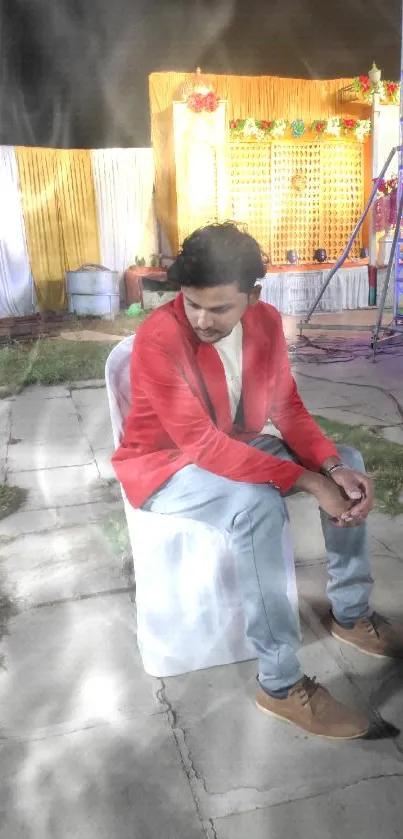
x=189 y=611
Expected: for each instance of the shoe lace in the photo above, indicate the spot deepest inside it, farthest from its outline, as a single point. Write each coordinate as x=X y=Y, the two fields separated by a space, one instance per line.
x=373 y=622
x=305 y=688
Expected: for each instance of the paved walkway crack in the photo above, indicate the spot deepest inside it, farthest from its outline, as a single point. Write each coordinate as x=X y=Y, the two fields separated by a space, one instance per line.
x=85 y=436
x=8 y=438
x=210 y=830
x=196 y=782
x=309 y=796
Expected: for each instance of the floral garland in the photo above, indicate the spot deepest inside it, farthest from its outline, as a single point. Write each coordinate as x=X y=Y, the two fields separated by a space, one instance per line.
x=389 y=92
x=255 y=129
x=385 y=205
x=198 y=102
x=386 y=187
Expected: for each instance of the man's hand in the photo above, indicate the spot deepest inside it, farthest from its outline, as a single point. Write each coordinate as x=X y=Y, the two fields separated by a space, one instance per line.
x=359 y=489
x=334 y=499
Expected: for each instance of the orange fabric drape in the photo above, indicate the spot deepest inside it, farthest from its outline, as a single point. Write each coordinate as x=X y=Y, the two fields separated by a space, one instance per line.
x=260 y=97
x=58 y=201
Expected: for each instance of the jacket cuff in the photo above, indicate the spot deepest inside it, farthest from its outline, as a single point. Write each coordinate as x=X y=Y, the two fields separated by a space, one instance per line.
x=290 y=473
x=327 y=449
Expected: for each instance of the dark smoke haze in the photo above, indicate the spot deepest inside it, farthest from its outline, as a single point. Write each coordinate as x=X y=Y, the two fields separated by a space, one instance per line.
x=74 y=72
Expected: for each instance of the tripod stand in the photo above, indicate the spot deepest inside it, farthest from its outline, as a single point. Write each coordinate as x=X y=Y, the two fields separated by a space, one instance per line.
x=395 y=256
x=305 y=324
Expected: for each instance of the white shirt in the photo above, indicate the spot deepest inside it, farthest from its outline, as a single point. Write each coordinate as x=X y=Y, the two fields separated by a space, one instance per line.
x=230 y=351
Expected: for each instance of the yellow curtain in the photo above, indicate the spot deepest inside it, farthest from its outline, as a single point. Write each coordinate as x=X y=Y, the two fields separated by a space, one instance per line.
x=38 y=194
x=260 y=97
x=58 y=201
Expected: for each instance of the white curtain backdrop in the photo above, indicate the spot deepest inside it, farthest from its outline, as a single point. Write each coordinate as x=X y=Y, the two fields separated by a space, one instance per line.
x=123 y=181
x=15 y=274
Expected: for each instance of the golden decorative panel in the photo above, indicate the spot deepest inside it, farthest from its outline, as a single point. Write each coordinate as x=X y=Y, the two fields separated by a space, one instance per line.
x=251 y=189
x=298 y=195
x=342 y=191
x=295 y=213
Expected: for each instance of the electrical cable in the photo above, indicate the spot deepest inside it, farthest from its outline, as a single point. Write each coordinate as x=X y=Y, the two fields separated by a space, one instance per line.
x=335 y=350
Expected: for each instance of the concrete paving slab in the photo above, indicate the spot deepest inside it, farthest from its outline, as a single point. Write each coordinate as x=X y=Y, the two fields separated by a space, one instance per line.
x=92 y=408
x=89 y=397
x=40 y=410
x=385 y=374
x=388 y=532
x=72 y=665
x=62 y=487
x=368 y=401
x=394 y=434
x=3 y=449
x=40 y=392
x=370 y=808
x=5 y=429
x=98 y=432
x=334 y=396
x=117 y=781
x=103 y=461
x=64 y=563
x=85 y=513
x=5 y=415
x=95 y=411
x=259 y=760
x=87 y=383
x=46 y=429
x=26 y=456
x=350 y=417
x=29 y=521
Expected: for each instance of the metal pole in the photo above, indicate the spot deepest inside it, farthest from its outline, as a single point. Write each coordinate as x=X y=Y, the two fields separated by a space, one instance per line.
x=387 y=278
x=358 y=226
x=398 y=301
x=372 y=268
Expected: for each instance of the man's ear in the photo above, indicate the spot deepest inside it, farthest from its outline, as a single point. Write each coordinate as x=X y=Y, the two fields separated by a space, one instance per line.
x=254 y=296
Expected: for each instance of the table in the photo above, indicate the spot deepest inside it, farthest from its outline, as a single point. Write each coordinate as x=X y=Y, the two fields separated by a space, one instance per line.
x=293 y=290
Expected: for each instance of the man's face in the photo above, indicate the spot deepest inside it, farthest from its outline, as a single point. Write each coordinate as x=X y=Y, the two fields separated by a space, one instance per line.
x=213 y=312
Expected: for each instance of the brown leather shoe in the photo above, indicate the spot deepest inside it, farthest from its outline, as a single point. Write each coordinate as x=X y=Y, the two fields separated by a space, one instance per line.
x=312 y=707
x=374 y=636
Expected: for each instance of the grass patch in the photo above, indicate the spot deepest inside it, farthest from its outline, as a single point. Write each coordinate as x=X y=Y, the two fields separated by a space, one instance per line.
x=383 y=460
x=118 y=535
x=49 y=362
x=11 y=499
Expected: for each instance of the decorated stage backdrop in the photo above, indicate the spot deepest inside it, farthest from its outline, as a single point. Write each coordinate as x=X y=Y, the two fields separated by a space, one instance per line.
x=296 y=160
x=60 y=209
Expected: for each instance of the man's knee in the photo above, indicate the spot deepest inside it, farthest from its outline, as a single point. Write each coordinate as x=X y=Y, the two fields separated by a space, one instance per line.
x=252 y=496
x=351 y=457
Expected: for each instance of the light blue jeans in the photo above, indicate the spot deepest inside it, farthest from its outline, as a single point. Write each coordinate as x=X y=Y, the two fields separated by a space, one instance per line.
x=254 y=514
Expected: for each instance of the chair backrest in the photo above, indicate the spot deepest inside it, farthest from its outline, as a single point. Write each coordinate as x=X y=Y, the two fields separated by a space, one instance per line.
x=117 y=380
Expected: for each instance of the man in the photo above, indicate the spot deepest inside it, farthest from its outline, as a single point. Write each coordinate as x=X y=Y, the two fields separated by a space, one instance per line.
x=208 y=370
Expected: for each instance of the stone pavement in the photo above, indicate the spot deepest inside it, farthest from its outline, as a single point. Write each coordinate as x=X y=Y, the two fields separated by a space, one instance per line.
x=93 y=748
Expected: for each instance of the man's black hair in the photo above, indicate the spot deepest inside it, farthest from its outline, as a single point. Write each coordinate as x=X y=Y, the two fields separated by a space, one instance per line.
x=218 y=254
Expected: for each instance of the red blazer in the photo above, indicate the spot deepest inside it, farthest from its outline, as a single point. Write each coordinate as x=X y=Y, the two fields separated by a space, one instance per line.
x=180 y=411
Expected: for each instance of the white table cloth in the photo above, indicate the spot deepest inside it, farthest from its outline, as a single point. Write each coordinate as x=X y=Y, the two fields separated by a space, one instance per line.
x=293 y=292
